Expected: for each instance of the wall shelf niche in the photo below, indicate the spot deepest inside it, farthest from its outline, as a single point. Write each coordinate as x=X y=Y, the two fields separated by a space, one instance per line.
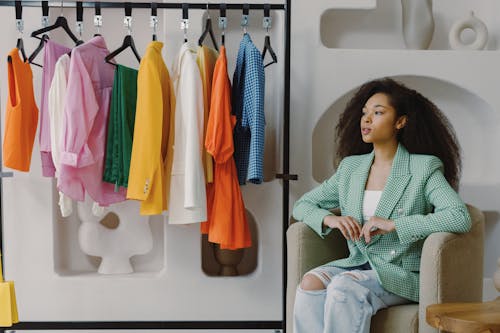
x=380 y=26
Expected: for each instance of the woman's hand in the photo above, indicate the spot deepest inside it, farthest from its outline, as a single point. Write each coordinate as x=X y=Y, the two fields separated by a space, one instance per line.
x=376 y=226
x=348 y=226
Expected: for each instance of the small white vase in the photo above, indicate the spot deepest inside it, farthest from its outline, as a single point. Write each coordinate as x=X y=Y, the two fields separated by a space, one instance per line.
x=476 y=25
x=418 y=23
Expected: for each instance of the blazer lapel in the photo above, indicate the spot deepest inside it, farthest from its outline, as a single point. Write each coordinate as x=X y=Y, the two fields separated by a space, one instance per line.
x=357 y=185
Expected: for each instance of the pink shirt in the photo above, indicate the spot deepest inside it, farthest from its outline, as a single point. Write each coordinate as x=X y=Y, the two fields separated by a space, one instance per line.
x=83 y=138
x=52 y=52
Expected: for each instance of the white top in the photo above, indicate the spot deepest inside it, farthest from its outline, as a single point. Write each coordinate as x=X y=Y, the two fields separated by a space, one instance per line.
x=187 y=185
x=370 y=203
x=57 y=96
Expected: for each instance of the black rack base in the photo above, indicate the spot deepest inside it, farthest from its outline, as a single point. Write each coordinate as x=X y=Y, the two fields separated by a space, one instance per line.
x=145 y=325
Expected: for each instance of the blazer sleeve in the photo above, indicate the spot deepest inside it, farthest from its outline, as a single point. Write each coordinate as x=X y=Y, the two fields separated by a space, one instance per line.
x=314 y=205
x=450 y=213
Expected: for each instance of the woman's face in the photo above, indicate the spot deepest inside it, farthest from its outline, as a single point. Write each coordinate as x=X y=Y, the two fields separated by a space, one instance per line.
x=379 y=120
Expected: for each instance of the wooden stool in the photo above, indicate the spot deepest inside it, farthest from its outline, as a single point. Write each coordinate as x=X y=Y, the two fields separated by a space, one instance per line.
x=465 y=317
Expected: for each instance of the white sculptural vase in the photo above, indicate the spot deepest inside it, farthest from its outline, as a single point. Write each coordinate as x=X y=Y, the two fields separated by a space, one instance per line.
x=418 y=23
x=115 y=245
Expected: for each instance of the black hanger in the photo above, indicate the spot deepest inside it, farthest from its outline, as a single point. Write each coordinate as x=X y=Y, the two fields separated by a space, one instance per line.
x=39 y=48
x=268 y=47
x=44 y=38
x=267 y=39
x=61 y=22
x=20 y=47
x=208 y=30
x=128 y=41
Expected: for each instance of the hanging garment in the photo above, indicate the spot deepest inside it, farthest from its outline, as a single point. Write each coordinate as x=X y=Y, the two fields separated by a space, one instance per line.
x=56 y=102
x=248 y=107
x=227 y=222
x=52 y=52
x=121 y=126
x=86 y=112
x=187 y=188
x=206 y=58
x=152 y=146
x=21 y=116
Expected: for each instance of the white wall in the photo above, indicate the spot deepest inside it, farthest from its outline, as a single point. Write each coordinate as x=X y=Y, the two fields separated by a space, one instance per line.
x=180 y=291
x=338 y=45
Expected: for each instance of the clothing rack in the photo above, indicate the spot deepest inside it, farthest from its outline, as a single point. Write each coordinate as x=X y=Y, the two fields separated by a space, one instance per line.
x=285 y=176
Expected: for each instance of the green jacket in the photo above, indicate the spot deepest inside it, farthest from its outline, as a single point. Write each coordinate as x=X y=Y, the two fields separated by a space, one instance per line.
x=416 y=197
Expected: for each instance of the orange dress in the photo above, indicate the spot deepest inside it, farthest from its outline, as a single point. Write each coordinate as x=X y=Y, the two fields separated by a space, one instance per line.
x=227 y=222
x=21 y=117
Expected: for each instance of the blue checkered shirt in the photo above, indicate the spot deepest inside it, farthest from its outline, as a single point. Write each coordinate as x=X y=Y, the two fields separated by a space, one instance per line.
x=248 y=107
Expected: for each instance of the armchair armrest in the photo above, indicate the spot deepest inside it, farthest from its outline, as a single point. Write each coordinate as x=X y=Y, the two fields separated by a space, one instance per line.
x=306 y=250
x=451 y=267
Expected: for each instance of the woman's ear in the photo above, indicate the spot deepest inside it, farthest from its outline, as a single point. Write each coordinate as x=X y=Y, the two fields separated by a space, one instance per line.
x=401 y=122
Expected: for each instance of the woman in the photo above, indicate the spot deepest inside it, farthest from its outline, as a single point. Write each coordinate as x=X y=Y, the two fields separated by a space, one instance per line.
x=400 y=164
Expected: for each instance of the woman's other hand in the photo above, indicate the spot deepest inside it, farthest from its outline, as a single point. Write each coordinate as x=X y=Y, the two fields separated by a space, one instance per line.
x=376 y=226
x=348 y=226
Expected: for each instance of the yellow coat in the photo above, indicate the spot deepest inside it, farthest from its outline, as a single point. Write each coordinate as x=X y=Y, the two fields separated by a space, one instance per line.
x=152 y=147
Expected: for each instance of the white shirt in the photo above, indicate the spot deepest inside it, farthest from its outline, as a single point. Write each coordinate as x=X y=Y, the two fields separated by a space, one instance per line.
x=187 y=188
x=370 y=203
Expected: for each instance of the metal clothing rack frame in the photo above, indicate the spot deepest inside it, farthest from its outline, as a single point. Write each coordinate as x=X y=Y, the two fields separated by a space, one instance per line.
x=285 y=177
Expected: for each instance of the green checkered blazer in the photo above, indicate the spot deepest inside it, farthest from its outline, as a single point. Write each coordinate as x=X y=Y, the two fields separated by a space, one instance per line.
x=416 y=197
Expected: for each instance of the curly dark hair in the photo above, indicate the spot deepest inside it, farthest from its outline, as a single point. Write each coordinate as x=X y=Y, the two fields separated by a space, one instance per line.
x=427 y=129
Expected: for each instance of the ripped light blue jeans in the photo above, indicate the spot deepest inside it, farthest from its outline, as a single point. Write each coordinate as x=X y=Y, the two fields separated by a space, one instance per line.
x=351 y=297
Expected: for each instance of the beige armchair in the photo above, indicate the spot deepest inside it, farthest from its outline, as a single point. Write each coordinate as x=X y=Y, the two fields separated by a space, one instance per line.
x=451 y=270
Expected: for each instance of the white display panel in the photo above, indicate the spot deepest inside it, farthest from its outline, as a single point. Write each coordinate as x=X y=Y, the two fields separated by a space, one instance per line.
x=55 y=281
